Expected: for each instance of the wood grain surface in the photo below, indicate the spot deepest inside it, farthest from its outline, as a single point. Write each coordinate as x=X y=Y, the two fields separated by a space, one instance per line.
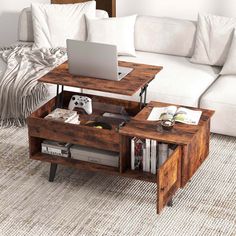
x=78 y=134
x=133 y=82
x=180 y=134
x=168 y=179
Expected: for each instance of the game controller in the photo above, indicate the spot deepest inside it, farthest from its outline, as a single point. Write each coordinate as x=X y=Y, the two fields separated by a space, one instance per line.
x=81 y=102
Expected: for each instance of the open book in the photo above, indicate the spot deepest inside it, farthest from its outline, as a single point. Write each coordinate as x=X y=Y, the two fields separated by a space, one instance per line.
x=180 y=114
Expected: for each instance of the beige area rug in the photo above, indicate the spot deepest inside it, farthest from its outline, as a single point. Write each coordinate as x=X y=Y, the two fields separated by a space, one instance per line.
x=84 y=203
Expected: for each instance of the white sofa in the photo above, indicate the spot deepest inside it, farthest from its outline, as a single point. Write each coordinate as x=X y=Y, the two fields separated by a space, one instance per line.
x=169 y=43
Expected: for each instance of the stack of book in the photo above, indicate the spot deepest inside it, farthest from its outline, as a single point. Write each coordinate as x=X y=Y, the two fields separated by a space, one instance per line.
x=63 y=115
x=148 y=155
x=55 y=148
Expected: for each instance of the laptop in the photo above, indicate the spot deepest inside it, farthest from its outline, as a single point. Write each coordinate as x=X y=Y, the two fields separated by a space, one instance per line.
x=95 y=60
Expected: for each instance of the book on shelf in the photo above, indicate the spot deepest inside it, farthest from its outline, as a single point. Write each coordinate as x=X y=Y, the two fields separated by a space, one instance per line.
x=153 y=157
x=137 y=152
x=64 y=116
x=181 y=114
x=147 y=155
x=144 y=163
x=133 y=154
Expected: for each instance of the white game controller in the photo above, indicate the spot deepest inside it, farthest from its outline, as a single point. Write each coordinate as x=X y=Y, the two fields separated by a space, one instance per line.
x=81 y=102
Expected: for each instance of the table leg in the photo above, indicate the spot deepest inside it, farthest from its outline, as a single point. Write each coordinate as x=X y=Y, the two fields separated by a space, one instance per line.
x=143 y=93
x=53 y=170
x=57 y=96
x=61 y=97
x=170 y=203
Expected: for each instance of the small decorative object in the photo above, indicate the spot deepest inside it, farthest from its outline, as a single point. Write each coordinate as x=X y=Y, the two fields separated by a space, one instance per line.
x=99 y=125
x=167 y=124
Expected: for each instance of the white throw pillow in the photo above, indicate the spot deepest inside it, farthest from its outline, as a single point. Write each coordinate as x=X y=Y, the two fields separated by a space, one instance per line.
x=117 y=31
x=54 y=23
x=165 y=35
x=213 y=39
x=25 y=26
x=229 y=67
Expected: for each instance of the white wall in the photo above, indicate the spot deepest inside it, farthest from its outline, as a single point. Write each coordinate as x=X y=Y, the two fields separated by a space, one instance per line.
x=187 y=9
x=226 y=8
x=9 y=14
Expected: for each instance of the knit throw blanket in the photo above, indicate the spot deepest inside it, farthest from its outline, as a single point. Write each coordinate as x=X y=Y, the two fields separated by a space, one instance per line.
x=20 y=92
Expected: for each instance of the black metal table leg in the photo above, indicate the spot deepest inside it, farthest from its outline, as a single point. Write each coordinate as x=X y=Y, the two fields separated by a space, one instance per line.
x=143 y=93
x=53 y=170
x=61 y=98
x=170 y=203
x=57 y=97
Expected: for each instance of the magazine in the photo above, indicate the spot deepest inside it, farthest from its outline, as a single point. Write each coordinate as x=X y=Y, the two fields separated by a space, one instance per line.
x=181 y=114
x=63 y=115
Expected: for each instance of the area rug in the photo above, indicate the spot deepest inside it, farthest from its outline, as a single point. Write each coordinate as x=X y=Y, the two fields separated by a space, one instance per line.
x=85 y=203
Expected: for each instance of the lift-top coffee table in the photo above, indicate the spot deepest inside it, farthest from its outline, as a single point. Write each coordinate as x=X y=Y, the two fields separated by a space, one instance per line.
x=191 y=142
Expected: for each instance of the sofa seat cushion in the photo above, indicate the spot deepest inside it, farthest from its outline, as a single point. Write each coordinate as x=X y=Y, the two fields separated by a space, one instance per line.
x=179 y=82
x=221 y=97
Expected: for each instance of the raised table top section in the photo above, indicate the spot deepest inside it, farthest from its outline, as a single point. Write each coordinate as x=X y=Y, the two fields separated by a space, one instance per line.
x=180 y=134
x=138 y=78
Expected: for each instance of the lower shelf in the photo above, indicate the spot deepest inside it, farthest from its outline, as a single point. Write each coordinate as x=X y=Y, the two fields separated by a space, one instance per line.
x=139 y=175
x=82 y=165
x=74 y=163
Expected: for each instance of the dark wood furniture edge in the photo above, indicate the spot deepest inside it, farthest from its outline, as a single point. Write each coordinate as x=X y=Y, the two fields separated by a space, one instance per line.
x=107 y=5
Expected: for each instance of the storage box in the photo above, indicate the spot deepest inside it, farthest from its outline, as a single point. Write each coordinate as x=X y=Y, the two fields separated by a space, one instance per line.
x=93 y=155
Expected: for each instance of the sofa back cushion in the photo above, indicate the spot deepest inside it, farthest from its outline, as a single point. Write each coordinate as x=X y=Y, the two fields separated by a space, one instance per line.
x=165 y=35
x=117 y=31
x=25 y=27
x=213 y=39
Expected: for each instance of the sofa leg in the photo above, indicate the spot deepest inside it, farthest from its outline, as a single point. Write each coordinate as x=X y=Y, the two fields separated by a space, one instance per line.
x=53 y=170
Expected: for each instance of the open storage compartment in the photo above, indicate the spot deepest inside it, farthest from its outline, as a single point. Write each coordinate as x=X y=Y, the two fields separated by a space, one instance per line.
x=167 y=177
x=40 y=129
